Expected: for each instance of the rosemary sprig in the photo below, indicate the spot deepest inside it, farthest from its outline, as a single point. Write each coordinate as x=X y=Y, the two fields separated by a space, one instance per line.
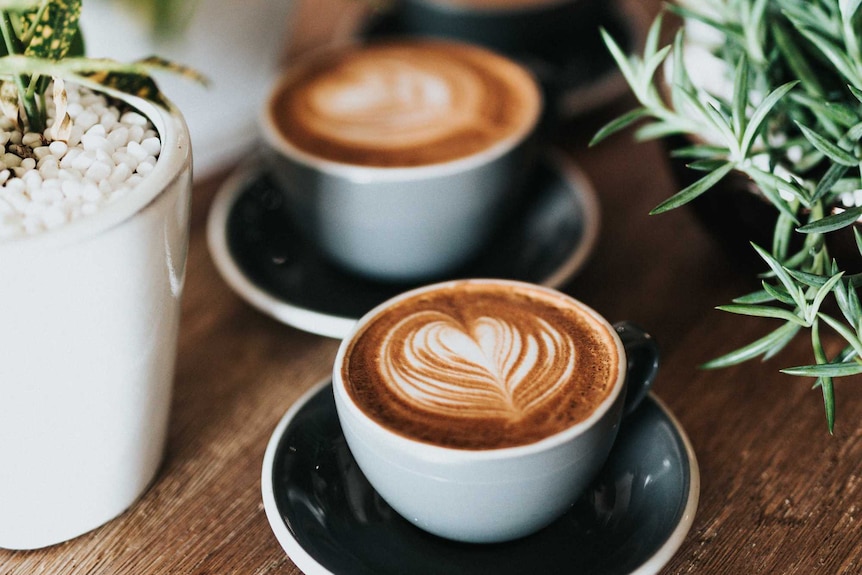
x=791 y=121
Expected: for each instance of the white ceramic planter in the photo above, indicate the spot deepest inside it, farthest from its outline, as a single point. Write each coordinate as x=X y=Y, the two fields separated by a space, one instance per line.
x=88 y=328
x=237 y=44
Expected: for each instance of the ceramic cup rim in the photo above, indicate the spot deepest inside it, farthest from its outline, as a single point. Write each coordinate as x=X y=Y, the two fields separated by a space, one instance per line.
x=457 y=455
x=365 y=173
x=174 y=155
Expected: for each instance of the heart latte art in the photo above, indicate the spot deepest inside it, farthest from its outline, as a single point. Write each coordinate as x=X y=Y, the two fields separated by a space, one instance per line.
x=481 y=366
x=404 y=104
x=489 y=368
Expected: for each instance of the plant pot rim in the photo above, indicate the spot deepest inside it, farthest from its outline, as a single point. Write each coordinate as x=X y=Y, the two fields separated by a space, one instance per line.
x=174 y=155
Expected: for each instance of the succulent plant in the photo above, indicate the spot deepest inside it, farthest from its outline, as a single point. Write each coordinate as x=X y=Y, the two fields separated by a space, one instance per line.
x=42 y=42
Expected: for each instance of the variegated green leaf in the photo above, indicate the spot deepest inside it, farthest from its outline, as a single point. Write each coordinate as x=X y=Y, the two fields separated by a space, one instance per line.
x=53 y=33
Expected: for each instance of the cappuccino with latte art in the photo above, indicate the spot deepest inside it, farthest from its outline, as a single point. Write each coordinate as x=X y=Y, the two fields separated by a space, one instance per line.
x=405 y=104
x=482 y=365
x=481 y=409
x=400 y=160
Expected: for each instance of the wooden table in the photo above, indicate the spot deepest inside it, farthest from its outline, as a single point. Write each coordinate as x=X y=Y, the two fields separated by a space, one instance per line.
x=779 y=495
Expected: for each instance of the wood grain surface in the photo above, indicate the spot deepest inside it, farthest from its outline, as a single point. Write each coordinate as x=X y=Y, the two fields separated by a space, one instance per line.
x=779 y=495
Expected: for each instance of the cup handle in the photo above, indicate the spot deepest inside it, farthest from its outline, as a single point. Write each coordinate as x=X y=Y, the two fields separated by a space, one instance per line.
x=643 y=360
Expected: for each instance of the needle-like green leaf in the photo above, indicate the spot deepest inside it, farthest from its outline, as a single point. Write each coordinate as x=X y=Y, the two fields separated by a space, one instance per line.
x=788 y=120
x=691 y=192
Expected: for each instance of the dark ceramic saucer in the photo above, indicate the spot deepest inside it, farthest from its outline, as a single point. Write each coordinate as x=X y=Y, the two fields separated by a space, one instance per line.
x=329 y=520
x=263 y=258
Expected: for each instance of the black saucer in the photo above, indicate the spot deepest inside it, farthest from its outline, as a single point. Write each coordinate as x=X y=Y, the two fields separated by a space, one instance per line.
x=329 y=520
x=264 y=259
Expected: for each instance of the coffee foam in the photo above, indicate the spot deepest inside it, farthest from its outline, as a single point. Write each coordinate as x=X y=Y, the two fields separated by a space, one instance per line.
x=487 y=368
x=480 y=367
x=407 y=103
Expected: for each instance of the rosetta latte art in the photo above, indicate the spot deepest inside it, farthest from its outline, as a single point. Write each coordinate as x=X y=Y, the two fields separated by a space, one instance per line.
x=408 y=103
x=393 y=102
x=489 y=368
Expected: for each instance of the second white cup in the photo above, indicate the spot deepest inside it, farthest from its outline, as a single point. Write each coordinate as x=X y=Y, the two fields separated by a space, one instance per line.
x=481 y=409
x=398 y=160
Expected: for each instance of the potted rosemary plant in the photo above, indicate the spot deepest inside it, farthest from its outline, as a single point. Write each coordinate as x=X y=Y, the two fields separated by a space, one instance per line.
x=95 y=181
x=785 y=116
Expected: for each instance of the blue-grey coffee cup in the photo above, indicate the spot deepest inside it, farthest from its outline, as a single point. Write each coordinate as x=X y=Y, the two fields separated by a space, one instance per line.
x=494 y=495
x=401 y=223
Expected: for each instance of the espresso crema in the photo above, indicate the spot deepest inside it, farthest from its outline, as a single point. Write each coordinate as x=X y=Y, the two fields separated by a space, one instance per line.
x=404 y=103
x=481 y=366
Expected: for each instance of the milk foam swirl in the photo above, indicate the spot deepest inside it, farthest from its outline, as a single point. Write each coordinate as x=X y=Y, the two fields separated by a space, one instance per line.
x=487 y=368
x=407 y=103
x=392 y=101
x=481 y=364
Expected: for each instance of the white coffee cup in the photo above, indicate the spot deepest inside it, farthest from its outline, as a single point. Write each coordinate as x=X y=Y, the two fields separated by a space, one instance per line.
x=475 y=494
x=384 y=212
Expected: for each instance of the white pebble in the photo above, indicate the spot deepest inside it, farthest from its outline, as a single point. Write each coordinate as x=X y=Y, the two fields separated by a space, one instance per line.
x=98 y=171
x=53 y=217
x=86 y=120
x=75 y=135
x=15 y=195
x=152 y=146
x=72 y=189
x=81 y=162
x=144 y=168
x=70 y=174
x=136 y=133
x=70 y=156
x=122 y=158
x=134 y=119
x=134 y=180
x=11 y=160
x=32 y=225
x=31 y=139
x=109 y=119
x=34 y=208
x=58 y=148
x=119 y=137
x=137 y=151
x=97 y=130
x=50 y=172
x=94 y=142
x=42 y=152
x=49 y=160
x=105 y=156
x=33 y=179
x=90 y=192
x=120 y=174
